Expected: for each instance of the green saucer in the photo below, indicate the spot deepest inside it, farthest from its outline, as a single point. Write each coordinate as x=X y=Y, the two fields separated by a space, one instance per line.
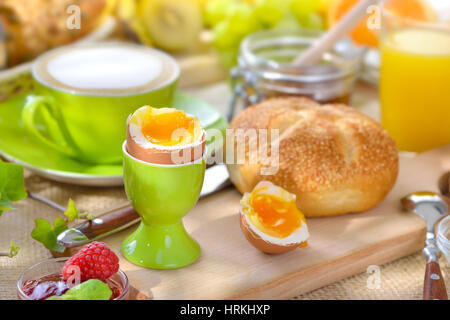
x=18 y=146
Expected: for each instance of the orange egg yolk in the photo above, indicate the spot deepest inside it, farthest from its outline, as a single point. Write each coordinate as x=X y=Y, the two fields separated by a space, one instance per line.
x=164 y=128
x=275 y=216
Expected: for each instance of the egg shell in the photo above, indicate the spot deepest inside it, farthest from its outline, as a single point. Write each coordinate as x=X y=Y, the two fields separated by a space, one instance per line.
x=262 y=244
x=164 y=155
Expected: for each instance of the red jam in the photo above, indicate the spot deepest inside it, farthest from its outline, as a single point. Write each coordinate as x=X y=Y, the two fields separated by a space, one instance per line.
x=54 y=285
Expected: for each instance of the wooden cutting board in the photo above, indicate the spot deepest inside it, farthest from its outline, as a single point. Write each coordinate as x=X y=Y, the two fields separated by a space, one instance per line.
x=230 y=268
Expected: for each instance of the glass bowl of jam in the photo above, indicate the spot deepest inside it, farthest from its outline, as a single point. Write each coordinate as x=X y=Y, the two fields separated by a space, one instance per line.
x=45 y=279
x=265 y=68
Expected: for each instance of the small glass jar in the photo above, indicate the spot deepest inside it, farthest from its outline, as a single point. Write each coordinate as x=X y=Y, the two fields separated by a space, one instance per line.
x=443 y=237
x=264 y=69
x=54 y=266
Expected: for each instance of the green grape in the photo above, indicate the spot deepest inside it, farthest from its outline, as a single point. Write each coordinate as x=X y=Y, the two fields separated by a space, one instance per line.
x=216 y=11
x=228 y=58
x=270 y=12
x=242 y=20
x=312 y=21
x=303 y=8
x=224 y=38
x=228 y=34
x=315 y=21
x=288 y=23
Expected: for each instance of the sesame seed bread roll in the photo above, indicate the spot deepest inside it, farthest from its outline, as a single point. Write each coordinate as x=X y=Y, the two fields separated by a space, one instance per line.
x=335 y=159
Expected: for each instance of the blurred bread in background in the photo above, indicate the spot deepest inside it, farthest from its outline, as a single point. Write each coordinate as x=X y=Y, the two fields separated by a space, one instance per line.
x=29 y=28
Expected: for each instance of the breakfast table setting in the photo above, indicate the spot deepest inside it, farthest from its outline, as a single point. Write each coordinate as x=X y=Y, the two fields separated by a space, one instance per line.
x=399 y=279
x=358 y=167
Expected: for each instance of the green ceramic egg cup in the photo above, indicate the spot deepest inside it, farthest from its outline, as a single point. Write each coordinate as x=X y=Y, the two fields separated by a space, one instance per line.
x=162 y=195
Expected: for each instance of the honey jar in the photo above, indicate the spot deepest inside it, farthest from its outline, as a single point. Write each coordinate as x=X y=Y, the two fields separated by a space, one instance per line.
x=264 y=69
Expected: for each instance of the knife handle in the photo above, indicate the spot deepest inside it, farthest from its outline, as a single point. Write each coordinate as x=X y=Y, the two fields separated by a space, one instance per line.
x=434 y=286
x=115 y=220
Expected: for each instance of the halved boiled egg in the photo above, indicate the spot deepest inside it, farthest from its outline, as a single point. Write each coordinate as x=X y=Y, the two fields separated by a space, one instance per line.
x=270 y=219
x=164 y=136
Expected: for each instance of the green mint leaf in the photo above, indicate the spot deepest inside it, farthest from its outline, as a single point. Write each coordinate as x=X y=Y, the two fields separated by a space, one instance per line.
x=5 y=204
x=93 y=289
x=11 y=181
x=46 y=234
x=71 y=212
x=43 y=232
x=12 y=186
x=86 y=215
x=59 y=225
x=14 y=250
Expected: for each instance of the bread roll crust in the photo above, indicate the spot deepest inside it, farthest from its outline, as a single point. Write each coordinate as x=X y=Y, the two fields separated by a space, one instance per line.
x=334 y=158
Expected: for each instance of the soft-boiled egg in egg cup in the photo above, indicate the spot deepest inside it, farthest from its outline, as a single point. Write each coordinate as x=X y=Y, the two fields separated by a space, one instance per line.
x=164 y=136
x=271 y=221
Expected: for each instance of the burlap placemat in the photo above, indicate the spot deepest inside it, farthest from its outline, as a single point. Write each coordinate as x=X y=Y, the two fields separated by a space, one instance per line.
x=402 y=279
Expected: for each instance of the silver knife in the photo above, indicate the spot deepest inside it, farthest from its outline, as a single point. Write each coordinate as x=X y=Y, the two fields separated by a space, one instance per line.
x=216 y=179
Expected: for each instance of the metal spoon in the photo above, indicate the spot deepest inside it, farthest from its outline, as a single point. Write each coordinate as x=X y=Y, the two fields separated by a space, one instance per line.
x=431 y=207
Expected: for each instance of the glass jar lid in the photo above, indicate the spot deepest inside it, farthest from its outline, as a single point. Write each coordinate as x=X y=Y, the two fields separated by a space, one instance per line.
x=269 y=54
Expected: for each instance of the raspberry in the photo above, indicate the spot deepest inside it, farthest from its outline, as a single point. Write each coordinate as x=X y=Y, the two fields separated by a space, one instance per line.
x=95 y=261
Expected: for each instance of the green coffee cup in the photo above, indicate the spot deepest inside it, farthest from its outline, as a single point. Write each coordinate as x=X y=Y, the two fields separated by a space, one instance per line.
x=84 y=94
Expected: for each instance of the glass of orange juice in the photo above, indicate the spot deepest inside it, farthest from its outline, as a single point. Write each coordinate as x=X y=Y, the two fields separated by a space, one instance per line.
x=415 y=82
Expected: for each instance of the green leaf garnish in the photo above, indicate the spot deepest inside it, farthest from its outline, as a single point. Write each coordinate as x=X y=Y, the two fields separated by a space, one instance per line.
x=5 y=204
x=71 y=212
x=93 y=289
x=13 y=250
x=46 y=234
x=11 y=185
